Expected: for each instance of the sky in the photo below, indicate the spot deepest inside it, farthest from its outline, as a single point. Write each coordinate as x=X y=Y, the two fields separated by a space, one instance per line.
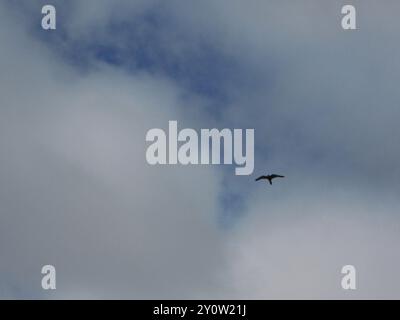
x=76 y=191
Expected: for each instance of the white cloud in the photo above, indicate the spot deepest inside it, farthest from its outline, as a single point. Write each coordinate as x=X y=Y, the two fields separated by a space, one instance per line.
x=294 y=246
x=76 y=190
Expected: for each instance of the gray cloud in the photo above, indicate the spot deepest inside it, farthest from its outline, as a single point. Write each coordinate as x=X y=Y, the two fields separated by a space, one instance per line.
x=76 y=191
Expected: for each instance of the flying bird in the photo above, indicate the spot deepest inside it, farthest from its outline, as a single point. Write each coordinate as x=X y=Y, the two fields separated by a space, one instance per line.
x=270 y=177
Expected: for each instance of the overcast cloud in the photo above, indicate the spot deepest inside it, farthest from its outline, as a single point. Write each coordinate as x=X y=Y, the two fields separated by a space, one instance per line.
x=76 y=191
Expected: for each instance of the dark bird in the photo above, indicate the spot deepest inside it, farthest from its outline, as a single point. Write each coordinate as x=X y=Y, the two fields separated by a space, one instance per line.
x=270 y=177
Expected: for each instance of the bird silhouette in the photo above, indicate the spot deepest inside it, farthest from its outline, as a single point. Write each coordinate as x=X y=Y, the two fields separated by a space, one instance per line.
x=270 y=177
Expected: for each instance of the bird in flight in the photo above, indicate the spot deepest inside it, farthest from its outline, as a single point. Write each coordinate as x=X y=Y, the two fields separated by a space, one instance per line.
x=270 y=177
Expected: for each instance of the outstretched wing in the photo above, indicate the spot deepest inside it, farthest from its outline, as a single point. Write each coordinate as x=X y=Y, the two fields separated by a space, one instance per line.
x=273 y=176
x=262 y=177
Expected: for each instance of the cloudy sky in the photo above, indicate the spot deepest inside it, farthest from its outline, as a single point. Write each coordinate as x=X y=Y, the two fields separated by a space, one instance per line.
x=76 y=191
